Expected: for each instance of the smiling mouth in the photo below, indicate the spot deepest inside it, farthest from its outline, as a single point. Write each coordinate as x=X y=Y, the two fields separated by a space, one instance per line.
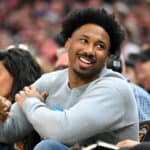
x=86 y=59
x=86 y=62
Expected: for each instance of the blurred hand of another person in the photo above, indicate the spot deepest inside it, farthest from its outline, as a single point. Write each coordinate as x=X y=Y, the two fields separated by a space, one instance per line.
x=29 y=91
x=127 y=143
x=5 y=106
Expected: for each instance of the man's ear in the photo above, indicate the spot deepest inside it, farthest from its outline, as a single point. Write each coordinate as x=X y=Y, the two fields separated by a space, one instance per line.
x=67 y=44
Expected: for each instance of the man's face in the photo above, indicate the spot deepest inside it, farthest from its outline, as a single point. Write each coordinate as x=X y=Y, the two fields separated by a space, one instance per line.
x=88 y=50
x=143 y=73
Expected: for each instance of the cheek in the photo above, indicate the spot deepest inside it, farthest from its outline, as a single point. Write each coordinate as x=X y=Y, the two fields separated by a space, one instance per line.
x=102 y=57
x=6 y=86
x=72 y=53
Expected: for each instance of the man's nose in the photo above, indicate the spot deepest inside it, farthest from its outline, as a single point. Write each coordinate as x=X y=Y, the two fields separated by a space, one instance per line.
x=90 y=49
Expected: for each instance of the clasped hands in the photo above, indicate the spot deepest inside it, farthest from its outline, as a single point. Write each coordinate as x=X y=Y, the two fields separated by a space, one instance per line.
x=29 y=91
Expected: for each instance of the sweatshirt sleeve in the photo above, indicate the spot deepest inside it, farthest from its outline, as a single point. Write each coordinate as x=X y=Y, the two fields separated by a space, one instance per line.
x=93 y=114
x=15 y=127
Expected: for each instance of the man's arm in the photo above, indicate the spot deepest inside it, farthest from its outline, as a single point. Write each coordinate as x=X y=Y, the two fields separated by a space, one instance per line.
x=93 y=114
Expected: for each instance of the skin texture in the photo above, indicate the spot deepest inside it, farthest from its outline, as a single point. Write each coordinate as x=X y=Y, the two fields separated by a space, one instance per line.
x=6 y=81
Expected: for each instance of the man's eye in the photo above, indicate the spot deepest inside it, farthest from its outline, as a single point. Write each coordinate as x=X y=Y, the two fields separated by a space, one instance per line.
x=100 y=46
x=83 y=40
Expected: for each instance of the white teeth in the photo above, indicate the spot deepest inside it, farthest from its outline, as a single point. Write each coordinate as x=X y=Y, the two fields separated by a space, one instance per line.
x=85 y=60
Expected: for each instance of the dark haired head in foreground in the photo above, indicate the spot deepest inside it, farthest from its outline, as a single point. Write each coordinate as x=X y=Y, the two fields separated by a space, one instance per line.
x=24 y=70
x=22 y=67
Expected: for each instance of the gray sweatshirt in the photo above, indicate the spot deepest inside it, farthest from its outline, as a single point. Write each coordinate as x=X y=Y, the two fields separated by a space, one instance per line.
x=102 y=109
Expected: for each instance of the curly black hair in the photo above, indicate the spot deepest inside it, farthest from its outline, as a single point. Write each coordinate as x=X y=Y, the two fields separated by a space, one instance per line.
x=78 y=17
x=22 y=66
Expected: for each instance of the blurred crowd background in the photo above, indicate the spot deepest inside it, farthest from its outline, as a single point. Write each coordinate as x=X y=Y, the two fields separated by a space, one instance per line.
x=37 y=23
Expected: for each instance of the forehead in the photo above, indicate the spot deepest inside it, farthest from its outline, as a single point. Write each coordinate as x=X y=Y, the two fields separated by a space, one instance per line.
x=92 y=30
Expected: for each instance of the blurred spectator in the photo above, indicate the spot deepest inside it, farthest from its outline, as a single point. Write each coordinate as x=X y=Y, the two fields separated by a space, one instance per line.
x=23 y=20
x=129 y=69
x=142 y=96
x=143 y=68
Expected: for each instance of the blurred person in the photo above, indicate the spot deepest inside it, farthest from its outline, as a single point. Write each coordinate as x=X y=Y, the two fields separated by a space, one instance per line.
x=129 y=46
x=57 y=11
x=17 y=68
x=78 y=4
x=142 y=68
x=62 y=61
x=94 y=3
x=121 y=11
x=129 y=70
x=5 y=38
x=46 y=45
x=141 y=95
x=66 y=114
x=140 y=12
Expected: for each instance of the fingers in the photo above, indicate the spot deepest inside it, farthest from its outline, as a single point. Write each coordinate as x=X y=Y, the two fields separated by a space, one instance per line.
x=44 y=95
x=25 y=92
x=3 y=116
x=30 y=91
x=127 y=143
x=4 y=105
x=7 y=108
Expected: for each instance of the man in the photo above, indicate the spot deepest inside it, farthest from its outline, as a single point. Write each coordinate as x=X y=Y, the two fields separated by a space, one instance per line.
x=85 y=102
x=142 y=68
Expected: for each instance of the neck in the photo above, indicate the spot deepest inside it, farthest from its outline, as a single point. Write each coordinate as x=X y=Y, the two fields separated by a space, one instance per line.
x=75 y=81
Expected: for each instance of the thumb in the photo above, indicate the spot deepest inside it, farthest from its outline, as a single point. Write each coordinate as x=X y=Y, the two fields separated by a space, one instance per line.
x=44 y=95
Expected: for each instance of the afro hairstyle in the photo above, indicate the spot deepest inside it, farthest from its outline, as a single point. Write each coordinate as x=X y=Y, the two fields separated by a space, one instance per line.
x=78 y=17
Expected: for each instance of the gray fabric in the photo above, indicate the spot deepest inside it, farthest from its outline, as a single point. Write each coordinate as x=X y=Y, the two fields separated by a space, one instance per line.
x=104 y=108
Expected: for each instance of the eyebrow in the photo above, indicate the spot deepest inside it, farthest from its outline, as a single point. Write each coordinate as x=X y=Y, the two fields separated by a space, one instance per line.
x=98 y=41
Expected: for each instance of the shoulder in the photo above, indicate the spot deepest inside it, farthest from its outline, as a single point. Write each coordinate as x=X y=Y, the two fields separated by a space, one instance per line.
x=51 y=79
x=55 y=75
x=112 y=83
x=109 y=78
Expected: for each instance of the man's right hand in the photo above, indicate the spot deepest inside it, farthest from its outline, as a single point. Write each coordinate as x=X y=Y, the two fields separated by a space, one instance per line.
x=5 y=106
x=29 y=91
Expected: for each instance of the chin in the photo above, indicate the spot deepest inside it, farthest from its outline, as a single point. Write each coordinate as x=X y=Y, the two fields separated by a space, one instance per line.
x=87 y=74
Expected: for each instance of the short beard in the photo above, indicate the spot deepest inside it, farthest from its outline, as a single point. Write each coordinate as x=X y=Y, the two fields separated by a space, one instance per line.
x=87 y=75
